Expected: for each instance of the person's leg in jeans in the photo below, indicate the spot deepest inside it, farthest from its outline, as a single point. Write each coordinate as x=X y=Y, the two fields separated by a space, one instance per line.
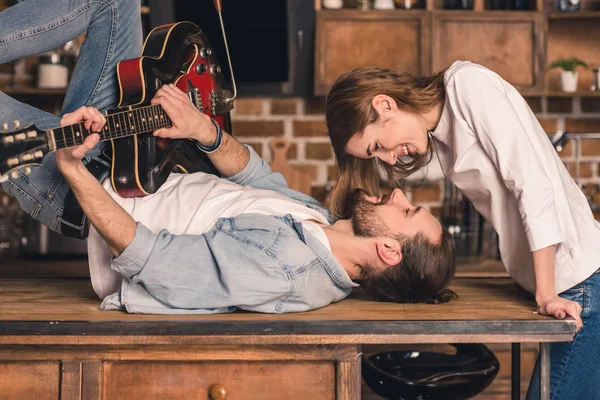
x=114 y=34
x=574 y=366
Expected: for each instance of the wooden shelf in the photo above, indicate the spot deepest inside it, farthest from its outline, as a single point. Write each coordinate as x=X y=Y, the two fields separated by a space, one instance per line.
x=579 y=93
x=391 y=13
x=34 y=91
x=492 y=14
x=574 y=15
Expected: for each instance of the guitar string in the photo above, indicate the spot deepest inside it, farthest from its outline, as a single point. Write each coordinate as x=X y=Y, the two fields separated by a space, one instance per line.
x=112 y=133
x=115 y=133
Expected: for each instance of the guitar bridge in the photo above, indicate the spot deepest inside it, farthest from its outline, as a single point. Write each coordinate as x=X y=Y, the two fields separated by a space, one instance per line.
x=220 y=101
x=195 y=97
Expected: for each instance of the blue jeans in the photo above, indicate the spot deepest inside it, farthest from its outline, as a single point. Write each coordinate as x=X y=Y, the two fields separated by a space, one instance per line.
x=114 y=33
x=575 y=366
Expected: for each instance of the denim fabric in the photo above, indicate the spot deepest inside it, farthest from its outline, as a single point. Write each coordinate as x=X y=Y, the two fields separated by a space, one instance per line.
x=575 y=366
x=114 y=34
x=252 y=262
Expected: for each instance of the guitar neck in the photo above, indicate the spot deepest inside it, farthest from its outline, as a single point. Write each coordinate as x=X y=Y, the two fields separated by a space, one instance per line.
x=118 y=125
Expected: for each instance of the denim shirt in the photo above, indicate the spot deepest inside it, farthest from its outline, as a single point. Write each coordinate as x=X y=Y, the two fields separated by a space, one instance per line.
x=252 y=262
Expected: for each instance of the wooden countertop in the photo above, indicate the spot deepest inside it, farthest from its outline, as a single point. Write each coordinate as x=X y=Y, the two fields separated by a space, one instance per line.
x=487 y=310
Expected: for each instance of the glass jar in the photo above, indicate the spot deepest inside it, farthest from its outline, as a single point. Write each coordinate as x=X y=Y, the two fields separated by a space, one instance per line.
x=408 y=4
x=364 y=5
x=569 y=5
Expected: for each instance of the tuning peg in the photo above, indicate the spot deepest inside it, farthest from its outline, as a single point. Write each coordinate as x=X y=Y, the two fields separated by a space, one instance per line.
x=5 y=126
x=3 y=178
x=27 y=170
x=16 y=124
x=14 y=174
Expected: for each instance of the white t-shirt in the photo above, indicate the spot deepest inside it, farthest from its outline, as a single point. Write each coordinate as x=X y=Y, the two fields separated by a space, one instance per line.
x=492 y=147
x=192 y=204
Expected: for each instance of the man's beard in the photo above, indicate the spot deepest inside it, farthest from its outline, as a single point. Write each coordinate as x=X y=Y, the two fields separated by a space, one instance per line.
x=365 y=221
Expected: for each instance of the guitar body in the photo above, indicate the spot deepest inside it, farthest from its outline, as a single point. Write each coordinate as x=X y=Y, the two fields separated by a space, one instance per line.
x=175 y=53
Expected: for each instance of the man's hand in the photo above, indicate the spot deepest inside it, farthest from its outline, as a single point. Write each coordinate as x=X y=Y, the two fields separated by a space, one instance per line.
x=69 y=160
x=559 y=308
x=188 y=122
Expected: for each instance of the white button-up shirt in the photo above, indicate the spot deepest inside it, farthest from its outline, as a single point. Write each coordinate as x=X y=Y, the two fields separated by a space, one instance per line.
x=492 y=147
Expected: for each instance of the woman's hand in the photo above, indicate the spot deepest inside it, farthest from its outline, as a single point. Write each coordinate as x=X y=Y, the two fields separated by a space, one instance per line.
x=559 y=308
x=69 y=160
x=188 y=122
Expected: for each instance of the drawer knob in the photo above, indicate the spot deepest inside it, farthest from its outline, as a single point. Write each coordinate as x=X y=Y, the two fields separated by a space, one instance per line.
x=218 y=392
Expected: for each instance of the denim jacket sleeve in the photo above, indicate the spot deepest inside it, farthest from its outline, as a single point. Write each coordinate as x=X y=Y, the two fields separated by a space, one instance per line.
x=221 y=269
x=258 y=174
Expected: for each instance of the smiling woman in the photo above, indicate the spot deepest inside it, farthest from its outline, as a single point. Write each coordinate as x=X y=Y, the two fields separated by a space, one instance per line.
x=490 y=145
x=366 y=109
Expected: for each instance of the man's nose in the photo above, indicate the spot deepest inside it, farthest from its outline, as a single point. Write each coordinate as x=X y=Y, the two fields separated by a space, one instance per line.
x=398 y=197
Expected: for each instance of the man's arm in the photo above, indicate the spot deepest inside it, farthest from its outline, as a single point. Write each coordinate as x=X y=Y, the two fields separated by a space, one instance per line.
x=115 y=226
x=233 y=159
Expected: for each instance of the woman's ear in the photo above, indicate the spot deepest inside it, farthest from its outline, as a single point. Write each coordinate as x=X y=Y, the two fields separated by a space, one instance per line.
x=383 y=104
x=389 y=251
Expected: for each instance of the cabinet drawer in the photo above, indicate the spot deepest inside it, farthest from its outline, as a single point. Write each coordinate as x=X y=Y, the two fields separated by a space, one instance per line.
x=239 y=380
x=29 y=380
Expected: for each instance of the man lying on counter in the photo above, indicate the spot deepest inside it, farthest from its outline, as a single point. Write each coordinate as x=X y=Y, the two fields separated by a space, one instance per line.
x=204 y=244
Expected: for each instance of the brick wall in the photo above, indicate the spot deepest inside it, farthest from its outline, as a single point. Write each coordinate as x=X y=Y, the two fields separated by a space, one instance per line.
x=302 y=121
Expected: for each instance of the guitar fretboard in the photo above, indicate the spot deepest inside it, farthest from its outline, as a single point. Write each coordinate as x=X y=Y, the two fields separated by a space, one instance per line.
x=121 y=124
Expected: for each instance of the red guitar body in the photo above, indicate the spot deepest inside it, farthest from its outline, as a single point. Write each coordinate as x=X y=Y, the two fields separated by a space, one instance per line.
x=180 y=54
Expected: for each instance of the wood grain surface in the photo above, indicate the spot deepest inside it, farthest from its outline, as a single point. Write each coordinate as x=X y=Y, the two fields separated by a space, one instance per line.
x=74 y=300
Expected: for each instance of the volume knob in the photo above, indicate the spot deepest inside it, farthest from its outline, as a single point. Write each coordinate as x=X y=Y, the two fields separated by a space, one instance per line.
x=205 y=52
x=214 y=70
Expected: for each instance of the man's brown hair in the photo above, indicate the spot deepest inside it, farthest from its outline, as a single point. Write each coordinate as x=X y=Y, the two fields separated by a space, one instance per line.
x=423 y=275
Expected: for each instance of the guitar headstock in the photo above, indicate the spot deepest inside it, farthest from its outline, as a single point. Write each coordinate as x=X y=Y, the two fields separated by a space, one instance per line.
x=21 y=148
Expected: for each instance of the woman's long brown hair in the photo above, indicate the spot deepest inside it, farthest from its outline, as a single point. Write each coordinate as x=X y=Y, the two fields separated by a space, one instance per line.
x=349 y=110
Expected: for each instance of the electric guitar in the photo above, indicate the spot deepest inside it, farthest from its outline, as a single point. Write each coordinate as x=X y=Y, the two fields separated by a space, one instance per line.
x=175 y=53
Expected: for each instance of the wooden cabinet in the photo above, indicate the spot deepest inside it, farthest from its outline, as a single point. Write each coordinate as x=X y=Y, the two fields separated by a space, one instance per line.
x=106 y=371
x=573 y=37
x=270 y=380
x=511 y=44
x=351 y=38
x=518 y=45
x=29 y=380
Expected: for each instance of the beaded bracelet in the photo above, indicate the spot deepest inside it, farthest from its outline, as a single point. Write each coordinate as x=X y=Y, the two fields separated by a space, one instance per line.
x=218 y=141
